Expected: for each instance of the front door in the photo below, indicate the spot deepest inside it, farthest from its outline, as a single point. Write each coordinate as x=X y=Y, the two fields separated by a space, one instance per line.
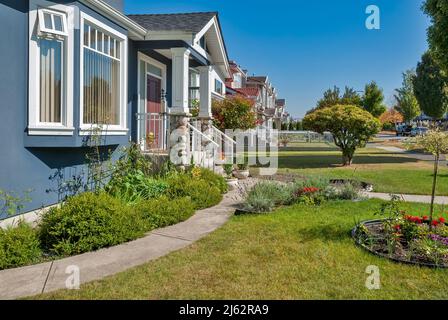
x=154 y=125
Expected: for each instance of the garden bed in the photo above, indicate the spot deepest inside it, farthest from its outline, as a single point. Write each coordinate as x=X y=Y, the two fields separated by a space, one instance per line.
x=373 y=236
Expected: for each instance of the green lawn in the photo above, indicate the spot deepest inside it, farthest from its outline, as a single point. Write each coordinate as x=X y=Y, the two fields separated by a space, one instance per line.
x=388 y=172
x=294 y=253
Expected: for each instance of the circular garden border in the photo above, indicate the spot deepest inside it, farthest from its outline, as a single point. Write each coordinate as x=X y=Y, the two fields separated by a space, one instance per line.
x=382 y=255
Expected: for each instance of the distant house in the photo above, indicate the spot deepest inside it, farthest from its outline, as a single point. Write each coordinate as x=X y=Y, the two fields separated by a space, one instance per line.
x=70 y=68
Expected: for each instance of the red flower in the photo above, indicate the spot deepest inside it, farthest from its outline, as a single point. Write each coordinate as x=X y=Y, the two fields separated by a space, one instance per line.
x=442 y=220
x=426 y=218
x=397 y=227
x=435 y=223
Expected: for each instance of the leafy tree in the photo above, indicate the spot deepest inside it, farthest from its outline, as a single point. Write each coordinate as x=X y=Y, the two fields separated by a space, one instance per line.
x=299 y=126
x=430 y=87
x=437 y=32
x=291 y=126
x=234 y=113
x=373 y=98
x=351 y=97
x=351 y=127
x=333 y=97
x=435 y=142
x=389 y=118
x=406 y=102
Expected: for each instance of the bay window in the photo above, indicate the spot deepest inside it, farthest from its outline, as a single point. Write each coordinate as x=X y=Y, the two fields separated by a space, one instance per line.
x=50 y=63
x=103 y=100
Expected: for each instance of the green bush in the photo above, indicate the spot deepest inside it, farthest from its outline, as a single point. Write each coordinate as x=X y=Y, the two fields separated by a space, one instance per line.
x=136 y=186
x=162 y=212
x=19 y=246
x=201 y=193
x=88 y=222
x=266 y=195
x=214 y=180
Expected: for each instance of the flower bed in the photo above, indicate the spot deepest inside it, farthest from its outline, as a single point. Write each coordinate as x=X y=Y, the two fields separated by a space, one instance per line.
x=265 y=196
x=415 y=239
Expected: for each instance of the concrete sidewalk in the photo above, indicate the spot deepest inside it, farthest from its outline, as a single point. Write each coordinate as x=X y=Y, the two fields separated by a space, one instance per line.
x=50 y=276
x=407 y=198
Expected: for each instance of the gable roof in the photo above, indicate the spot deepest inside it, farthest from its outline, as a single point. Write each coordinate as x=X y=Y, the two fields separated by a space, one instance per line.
x=249 y=91
x=258 y=79
x=191 y=22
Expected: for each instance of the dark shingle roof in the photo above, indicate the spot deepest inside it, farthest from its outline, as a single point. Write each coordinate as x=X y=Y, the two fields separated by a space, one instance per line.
x=257 y=79
x=192 y=22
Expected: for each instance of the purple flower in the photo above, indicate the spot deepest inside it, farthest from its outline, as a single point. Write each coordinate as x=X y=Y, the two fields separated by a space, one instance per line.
x=436 y=237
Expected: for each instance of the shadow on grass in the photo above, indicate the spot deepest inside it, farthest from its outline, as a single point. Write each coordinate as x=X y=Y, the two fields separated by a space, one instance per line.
x=325 y=161
x=325 y=233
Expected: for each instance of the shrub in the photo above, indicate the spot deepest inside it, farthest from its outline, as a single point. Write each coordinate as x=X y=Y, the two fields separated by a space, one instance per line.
x=213 y=179
x=202 y=194
x=266 y=195
x=162 y=212
x=136 y=186
x=349 y=191
x=88 y=222
x=19 y=246
x=312 y=182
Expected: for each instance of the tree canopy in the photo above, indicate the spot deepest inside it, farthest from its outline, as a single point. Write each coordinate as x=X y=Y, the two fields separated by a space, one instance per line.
x=334 y=96
x=437 y=32
x=430 y=87
x=372 y=100
x=351 y=127
x=234 y=113
x=406 y=102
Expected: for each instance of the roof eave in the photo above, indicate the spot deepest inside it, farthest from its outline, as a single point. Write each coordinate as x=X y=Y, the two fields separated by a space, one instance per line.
x=136 y=31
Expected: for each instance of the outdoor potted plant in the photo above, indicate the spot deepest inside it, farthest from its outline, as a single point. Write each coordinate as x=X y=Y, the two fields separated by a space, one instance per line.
x=231 y=181
x=242 y=171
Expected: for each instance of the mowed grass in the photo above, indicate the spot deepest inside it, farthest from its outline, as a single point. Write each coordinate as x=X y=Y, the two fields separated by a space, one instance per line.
x=297 y=252
x=388 y=172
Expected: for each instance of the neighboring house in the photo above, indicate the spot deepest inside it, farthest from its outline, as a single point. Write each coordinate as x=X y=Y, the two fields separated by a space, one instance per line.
x=73 y=67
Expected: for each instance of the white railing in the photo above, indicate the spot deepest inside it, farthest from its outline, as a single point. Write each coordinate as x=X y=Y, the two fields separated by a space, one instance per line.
x=201 y=148
x=226 y=146
x=152 y=132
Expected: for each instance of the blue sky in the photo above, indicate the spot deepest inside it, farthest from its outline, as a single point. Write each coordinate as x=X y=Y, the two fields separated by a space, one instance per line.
x=307 y=46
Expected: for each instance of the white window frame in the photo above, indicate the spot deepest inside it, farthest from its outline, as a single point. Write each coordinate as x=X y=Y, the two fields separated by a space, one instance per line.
x=52 y=13
x=65 y=127
x=122 y=128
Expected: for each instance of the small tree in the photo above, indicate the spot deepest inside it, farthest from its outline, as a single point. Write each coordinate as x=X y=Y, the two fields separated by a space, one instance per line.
x=373 y=98
x=351 y=127
x=406 y=102
x=333 y=97
x=430 y=87
x=234 y=113
x=389 y=118
x=435 y=142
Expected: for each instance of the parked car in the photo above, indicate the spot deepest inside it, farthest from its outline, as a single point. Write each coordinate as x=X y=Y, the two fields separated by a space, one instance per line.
x=404 y=130
x=419 y=131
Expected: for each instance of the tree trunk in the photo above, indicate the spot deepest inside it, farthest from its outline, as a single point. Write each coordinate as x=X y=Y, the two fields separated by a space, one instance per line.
x=434 y=185
x=347 y=160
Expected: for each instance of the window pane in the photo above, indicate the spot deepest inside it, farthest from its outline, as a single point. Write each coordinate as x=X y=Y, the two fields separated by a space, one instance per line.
x=101 y=89
x=117 y=49
x=86 y=35
x=92 y=38
x=154 y=70
x=112 y=47
x=50 y=80
x=58 y=23
x=99 y=41
x=47 y=21
x=106 y=44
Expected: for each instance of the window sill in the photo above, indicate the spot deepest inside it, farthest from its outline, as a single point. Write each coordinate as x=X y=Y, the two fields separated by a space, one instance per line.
x=50 y=131
x=87 y=131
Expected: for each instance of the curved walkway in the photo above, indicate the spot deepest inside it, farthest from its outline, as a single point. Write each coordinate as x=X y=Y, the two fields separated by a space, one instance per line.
x=50 y=276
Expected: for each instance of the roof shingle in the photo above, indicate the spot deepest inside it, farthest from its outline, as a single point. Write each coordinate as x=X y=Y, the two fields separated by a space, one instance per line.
x=192 y=22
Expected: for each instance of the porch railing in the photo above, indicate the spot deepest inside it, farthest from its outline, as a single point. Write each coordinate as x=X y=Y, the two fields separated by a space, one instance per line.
x=202 y=149
x=152 y=132
x=226 y=146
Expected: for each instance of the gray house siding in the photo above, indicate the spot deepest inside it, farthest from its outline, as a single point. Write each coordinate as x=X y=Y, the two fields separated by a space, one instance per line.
x=28 y=162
